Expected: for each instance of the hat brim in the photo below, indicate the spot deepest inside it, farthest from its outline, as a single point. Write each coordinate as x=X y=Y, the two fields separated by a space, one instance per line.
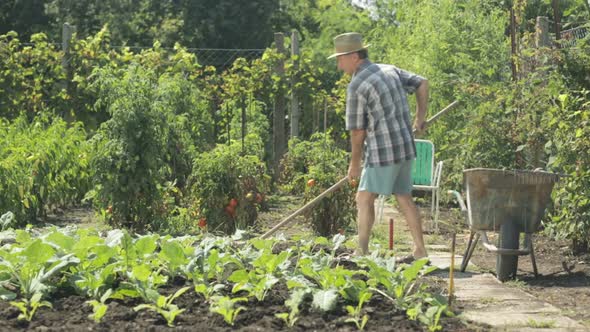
x=343 y=53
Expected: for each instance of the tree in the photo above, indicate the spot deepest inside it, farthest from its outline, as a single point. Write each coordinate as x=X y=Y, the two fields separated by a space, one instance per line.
x=23 y=16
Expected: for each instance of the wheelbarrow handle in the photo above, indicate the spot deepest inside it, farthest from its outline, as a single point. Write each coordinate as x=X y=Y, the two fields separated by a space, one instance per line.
x=459 y=199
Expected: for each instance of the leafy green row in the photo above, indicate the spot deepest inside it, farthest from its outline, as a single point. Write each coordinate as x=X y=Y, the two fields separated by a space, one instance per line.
x=223 y=270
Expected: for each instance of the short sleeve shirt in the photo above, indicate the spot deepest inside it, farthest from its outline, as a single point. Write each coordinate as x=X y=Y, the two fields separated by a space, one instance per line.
x=376 y=101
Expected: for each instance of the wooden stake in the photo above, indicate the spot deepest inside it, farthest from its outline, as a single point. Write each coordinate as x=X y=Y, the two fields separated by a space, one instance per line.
x=452 y=271
x=390 y=233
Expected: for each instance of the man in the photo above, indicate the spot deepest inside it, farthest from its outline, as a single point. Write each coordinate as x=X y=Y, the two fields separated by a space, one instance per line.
x=378 y=117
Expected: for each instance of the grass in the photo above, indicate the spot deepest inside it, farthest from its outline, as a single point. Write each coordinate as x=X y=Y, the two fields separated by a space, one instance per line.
x=435 y=239
x=488 y=300
x=516 y=283
x=549 y=324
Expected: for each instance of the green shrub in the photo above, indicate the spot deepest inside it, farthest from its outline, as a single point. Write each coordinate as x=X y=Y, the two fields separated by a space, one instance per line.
x=43 y=166
x=130 y=149
x=31 y=77
x=570 y=154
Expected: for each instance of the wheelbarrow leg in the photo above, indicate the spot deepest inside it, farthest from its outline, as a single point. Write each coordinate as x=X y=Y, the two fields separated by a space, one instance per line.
x=469 y=250
x=532 y=251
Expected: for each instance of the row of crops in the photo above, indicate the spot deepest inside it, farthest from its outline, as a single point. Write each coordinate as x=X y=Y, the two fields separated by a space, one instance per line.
x=230 y=274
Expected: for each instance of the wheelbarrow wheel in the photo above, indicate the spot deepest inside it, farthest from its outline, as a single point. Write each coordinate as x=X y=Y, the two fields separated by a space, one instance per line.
x=506 y=265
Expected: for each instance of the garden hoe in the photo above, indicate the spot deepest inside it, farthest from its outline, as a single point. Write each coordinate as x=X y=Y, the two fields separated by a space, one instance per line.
x=340 y=183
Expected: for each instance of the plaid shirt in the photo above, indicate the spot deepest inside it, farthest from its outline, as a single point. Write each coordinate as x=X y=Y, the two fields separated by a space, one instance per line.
x=376 y=101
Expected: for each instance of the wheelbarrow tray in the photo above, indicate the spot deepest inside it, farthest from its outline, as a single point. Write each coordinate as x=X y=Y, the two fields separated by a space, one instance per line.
x=496 y=196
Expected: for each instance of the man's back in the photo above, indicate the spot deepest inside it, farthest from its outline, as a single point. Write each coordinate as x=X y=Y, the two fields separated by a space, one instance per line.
x=377 y=102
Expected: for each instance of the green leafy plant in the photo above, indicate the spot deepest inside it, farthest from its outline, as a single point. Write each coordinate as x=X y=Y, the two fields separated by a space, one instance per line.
x=31 y=266
x=435 y=306
x=568 y=122
x=355 y=311
x=252 y=283
x=163 y=305
x=399 y=281
x=226 y=307
x=99 y=307
x=325 y=300
x=293 y=303
x=28 y=307
x=208 y=290
x=6 y=220
x=143 y=282
x=99 y=263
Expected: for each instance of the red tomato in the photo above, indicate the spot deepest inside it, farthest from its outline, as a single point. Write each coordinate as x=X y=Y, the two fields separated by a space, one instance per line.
x=231 y=211
x=311 y=183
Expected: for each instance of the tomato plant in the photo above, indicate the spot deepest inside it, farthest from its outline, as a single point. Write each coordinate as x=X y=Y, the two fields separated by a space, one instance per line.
x=311 y=167
x=224 y=183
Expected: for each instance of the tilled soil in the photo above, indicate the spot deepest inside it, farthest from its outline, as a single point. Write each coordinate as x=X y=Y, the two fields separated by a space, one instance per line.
x=70 y=313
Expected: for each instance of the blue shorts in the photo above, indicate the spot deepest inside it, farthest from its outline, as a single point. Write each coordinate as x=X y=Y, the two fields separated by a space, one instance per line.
x=387 y=180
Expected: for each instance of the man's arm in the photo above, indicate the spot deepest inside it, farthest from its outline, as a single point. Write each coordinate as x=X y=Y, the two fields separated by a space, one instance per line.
x=357 y=138
x=421 y=106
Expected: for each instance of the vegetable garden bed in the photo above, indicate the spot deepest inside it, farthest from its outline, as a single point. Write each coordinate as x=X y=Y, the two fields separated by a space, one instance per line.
x=120 y=282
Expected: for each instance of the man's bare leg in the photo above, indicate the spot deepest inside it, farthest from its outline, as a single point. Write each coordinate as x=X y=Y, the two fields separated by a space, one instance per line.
x=365 y=204
x=412 y=215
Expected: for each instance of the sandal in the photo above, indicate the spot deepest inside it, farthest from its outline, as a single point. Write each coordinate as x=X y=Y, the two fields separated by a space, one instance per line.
x=348 y=256
x=409 y=259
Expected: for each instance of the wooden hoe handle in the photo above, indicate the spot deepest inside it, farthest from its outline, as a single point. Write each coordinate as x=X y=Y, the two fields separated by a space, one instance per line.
x=306 y=207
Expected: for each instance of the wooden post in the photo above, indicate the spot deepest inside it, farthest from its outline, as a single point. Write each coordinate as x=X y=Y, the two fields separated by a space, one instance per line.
x=556 y=18
x=279 y=142
x=513 y=43
x=452 y=270
x=315 y=111
x=325 y=116
x=294 y=98
x=66 y=35
x=542 y=32
x=541 y=40
x=390 y=233
x=244 y=125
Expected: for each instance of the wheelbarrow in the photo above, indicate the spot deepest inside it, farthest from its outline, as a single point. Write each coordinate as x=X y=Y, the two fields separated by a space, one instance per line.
x=509 y=202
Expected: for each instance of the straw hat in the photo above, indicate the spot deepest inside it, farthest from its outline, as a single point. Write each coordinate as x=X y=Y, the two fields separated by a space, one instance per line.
x=348 y=43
